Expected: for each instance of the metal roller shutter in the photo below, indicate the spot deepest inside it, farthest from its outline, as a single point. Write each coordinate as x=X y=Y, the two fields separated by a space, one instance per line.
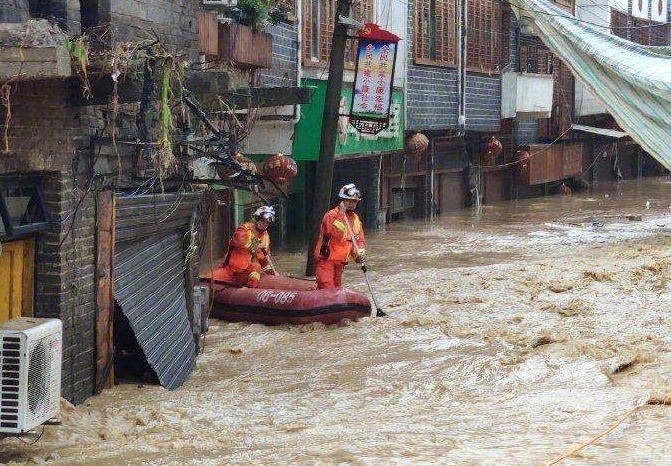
x=149 y=285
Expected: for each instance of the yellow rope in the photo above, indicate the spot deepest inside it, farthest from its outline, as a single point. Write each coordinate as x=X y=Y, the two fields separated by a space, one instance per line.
x=594 y=439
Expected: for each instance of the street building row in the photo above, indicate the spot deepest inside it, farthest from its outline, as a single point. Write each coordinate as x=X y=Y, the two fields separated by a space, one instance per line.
x=110 y=211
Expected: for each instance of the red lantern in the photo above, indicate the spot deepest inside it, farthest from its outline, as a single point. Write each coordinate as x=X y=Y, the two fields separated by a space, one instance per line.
x=280 y=168
x=416 y=144
x=494 y=149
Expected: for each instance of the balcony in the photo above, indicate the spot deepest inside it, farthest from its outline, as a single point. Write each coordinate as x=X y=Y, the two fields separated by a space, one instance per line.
x=234 y=43
x=526 y=95
x=540 y=163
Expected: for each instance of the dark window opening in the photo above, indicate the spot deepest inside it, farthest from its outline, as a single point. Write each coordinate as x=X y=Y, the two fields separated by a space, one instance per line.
x=90 y=15
x=40 y=8
x=22 y=208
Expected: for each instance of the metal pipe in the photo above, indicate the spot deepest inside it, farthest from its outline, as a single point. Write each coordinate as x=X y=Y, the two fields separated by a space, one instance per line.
x=299 y=55
x=462 y=63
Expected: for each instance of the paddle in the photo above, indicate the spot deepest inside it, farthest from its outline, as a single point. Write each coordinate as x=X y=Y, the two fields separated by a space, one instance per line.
x=378 y=311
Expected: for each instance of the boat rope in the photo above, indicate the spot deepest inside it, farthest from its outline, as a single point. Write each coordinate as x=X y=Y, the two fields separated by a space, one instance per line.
x=595 y=438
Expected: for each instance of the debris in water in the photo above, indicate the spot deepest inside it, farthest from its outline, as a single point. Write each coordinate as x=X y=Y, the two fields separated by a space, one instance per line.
x=660 y=398
x=634 y=218
x=599 y=276
x=542 y=341
x=560 y=287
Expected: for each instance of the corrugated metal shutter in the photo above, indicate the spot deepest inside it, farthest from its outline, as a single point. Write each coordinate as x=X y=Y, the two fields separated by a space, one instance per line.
x=149 y=285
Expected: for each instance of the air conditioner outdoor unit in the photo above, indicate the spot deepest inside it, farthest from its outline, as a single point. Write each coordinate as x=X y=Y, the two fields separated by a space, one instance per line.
x=30 y=373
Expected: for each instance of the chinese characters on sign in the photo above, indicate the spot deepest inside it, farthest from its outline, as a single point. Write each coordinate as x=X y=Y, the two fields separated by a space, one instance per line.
x=373 y=81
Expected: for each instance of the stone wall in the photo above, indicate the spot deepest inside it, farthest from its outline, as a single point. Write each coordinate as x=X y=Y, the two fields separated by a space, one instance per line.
x=13 y=11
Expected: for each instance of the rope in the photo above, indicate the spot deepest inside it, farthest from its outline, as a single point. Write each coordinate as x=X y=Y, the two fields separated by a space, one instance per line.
x=595 y=438
x=211 y=304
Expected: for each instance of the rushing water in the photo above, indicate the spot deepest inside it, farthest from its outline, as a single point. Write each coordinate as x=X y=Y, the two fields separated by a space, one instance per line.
x=514 y=335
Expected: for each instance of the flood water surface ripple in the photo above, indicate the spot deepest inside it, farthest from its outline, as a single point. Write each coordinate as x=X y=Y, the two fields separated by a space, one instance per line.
x=514 y=335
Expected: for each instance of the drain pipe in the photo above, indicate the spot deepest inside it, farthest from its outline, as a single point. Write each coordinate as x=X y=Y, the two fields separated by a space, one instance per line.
x=299 y=54
x=462 y=62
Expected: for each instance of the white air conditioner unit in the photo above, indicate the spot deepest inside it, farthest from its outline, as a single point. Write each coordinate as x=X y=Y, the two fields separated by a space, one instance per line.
x=224 y=3
x=30 y=373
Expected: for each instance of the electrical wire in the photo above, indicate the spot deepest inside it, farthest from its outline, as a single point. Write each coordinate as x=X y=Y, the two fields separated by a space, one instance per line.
x=34 y=441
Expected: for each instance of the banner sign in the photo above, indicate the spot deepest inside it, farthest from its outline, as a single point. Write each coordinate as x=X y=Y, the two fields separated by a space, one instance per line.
x=373 y=79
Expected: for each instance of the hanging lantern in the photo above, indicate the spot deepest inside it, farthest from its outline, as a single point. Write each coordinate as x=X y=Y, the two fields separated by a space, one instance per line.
x=280 y=168
x=494 y=150
x=416 y=144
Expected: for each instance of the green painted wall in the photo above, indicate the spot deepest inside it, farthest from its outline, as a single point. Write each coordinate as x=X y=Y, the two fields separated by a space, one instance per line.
x=308 y=130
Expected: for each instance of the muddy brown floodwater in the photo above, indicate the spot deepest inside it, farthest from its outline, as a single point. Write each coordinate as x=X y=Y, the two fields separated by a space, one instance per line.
x=513 y=336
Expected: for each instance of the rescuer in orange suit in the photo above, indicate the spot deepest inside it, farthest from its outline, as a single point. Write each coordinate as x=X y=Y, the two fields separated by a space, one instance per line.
x=249 y=250
x=334 y=246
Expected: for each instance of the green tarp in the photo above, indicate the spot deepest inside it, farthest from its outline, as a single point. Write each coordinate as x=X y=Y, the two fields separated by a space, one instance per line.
x=632 y=81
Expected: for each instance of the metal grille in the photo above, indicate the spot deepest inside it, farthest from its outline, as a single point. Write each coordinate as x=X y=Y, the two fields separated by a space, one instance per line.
x=318 y=21
x=436 y=30
x=38 y=379
x=484 y=30
x=10 y=353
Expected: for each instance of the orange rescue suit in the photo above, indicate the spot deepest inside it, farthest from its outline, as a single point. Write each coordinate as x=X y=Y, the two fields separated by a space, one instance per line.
x=246 y=266
x=334 y=246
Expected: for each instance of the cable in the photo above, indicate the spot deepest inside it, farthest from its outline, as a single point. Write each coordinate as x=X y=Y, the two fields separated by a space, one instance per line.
x=34 y=441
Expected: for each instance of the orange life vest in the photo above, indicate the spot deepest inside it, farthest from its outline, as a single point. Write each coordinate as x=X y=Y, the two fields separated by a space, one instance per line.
x=240 y=255
x=334 y=242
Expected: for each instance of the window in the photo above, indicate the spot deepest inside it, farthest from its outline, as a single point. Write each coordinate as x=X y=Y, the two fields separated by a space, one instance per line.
x=314 y=31
x=484 y=35
x=22 y=208
x=436 y=31
x=318 y=21
x=436 y=28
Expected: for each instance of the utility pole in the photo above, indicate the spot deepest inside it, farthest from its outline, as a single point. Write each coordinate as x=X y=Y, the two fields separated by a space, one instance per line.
x=324 y=178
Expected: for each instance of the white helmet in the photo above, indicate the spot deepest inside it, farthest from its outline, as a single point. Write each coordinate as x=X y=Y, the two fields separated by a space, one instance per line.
x=350 y=191
x=266 y=213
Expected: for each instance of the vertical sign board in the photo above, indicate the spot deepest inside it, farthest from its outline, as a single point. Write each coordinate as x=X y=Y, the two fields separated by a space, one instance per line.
x=373 y=79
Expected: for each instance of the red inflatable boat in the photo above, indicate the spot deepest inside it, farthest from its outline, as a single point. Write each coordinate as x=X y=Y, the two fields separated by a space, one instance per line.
x=283 y=300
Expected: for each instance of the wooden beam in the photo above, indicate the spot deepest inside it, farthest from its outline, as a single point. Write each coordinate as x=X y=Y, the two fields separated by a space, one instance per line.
x=252 y=97
x=201 y=83
x=105 y=291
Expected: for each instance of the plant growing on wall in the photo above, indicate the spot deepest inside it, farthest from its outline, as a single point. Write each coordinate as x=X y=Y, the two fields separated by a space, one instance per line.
x=257 y=13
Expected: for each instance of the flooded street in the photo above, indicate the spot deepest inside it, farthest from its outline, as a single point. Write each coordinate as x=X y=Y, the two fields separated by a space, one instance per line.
x=514 y=335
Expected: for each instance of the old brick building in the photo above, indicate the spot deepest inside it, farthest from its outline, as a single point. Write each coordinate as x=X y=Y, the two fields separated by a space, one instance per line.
x=88 y=236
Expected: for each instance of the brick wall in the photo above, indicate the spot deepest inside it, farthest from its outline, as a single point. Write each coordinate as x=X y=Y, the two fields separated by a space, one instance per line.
x=175 y=22
x=13 y=11
x=526 y=131
x=43 y=128
x=47 y=137
x=432 y=95
x=65 y=286
x=285 y=56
